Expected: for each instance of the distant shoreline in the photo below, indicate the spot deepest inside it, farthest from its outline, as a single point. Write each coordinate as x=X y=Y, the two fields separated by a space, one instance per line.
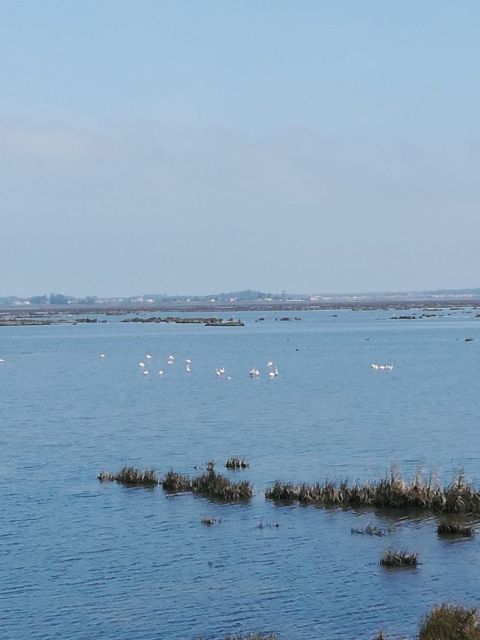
x=42 y=313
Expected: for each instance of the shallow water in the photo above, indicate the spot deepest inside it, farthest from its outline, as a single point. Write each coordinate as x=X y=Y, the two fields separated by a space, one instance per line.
x=81 y=559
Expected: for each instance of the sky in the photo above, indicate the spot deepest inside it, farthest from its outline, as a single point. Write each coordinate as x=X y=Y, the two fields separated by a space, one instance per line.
x=200 y=146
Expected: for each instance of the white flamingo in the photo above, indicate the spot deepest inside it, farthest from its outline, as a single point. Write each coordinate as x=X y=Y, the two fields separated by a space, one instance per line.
x=145 y=372
x=160 y=373
x=254 y=373
x=103 y=355
x=141 y=365
x=148 y=356
x=188 y=369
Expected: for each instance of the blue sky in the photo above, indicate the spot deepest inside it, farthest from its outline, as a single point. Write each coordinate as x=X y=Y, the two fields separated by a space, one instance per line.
x=181 y=146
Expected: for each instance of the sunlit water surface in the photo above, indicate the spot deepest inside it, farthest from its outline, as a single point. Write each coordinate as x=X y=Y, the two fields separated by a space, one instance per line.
x=80 y=559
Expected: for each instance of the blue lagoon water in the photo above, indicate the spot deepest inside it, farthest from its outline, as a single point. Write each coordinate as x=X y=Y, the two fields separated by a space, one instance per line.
x=81 y=559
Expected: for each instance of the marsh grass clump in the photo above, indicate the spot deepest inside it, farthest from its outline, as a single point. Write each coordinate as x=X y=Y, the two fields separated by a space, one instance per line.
x=455 y=529
x=236 y=464
x=282 y=492
x=215 y=485
x=176 y=482
x=398 y=559
x=131 y=476
x=390 y=492
x=210 y=483
x=136 y=477
x=450 y=622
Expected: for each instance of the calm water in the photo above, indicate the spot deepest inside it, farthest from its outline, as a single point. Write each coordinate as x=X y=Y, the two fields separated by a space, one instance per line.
x=80 y=559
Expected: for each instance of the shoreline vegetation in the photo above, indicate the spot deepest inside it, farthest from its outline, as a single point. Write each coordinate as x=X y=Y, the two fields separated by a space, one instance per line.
x=63 y=309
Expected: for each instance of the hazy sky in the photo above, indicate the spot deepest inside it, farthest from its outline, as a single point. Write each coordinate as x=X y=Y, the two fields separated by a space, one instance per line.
x=186 y=146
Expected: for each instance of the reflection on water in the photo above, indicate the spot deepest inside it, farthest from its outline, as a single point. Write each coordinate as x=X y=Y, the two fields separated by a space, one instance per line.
x=83 y=559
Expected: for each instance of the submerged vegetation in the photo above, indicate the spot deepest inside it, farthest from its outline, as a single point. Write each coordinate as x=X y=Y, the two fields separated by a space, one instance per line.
x=210 y=484
x=390 y=492
x=370 y=530
x=455 y=529
x=267 y=525
x=131 y=476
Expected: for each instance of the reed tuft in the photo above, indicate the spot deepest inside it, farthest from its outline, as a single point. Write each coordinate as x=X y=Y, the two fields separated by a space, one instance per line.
x=390 y=492
x=210 y=483
x=131 y=477
x=450 y=622
x=398 y=559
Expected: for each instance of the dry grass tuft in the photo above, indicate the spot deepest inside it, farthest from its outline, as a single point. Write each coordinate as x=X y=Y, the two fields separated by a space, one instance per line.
x=131 y=477
x=210 y=483
x=390 y=492
x=450 y=622
x=398 y=559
